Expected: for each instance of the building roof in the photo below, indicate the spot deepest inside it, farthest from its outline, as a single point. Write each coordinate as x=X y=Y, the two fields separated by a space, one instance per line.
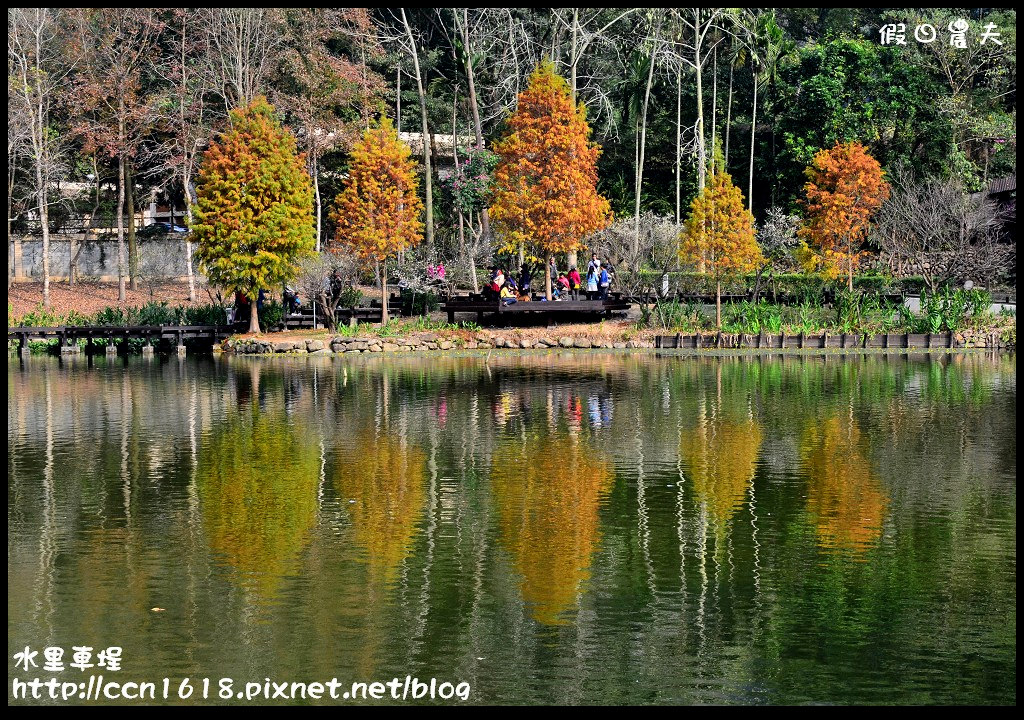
x=1001 y=185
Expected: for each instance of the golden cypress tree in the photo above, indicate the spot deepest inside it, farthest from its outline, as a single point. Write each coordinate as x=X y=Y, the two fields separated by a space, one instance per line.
x=720 y=235
x=546 y=177
x=253 y=217
x=845 y=188
x=378 y=210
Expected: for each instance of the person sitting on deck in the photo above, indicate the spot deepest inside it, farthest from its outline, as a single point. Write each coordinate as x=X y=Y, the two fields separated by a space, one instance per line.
x=508 y=295
x=492 y=289
x=564 y=287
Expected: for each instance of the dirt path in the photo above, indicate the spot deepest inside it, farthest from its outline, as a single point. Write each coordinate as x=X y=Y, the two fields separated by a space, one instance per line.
x=91 y=297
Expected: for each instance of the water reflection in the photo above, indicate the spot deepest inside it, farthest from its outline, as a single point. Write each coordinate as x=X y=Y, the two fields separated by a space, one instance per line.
x=258 y=473
x=548 y=489
x=381 y=484
x=720 y=454
x=542 y=526
x=844 y=497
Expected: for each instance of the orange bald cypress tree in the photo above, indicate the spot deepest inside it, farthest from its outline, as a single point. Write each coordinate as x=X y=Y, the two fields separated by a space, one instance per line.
x=720 y=234
x=845 y=188
x=546 y=178
x=378 y=211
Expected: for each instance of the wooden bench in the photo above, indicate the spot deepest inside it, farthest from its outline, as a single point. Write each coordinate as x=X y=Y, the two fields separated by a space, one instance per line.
x=304 y=320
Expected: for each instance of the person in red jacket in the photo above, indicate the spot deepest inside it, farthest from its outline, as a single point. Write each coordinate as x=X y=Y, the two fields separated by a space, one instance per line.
x=575 y=282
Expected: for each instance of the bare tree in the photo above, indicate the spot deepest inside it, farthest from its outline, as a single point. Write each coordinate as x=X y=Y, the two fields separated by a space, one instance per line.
x=778 y=239
x=329 y=279
x=186 y=115
x=406 y=40
x=587 y=27
x=19 y=149
x=641 y=261
x=318 y=84
x=693 y=42
x=116 y=44
x=462 y=27
x=653 y=44
x=242 y=46
x=36 y=69
x=936 y=229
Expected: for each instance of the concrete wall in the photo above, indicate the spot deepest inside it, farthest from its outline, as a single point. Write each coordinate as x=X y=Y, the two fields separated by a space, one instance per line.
x=159 y=258
x=913 y=303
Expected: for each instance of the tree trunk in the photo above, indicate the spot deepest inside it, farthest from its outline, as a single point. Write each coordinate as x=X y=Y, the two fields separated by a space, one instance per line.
x=468 y=255
x=547 y=276
x=728 y=119
x=11 y=173
x=714 y=108
x=849 y=264
x=384 y=318
x=133 y=246
x=186 y=182
x=679 y=146
x=753 y=131
x=485 y=220
x=254 y=315
x=718 y=305
x=121 y=295
x=574 y=56
x=428 y=175
x=702 y=153
x=316 y=198
x=571 y=257
x=641 y=150
x=44 y=218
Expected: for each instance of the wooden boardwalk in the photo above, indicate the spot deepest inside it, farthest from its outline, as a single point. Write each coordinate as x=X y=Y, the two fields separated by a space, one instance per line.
x=802 y=341
x=69 y=335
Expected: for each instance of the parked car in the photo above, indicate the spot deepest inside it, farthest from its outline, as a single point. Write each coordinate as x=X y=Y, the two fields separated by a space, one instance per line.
x=161 y=228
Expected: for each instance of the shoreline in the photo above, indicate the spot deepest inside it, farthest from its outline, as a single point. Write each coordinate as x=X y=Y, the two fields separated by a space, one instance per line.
x=331 y=345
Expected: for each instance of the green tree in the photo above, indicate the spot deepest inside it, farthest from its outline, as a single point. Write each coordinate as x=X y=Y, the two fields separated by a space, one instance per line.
x=253 y=218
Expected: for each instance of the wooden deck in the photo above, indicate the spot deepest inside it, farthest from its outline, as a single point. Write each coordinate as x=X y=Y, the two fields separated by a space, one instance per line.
x=477 y=305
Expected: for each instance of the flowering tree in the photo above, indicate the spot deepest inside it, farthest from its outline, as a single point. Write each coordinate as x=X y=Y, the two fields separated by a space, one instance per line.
x=378 y=211
x=468 y=186
x=845 y=187
x=720 y=234
x=546 y=177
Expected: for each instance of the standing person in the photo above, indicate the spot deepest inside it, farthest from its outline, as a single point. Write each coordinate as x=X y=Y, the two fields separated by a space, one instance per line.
x=594 y=263
x=591 y=282
x=575 y=283
x=603 y=281
x=554 y=271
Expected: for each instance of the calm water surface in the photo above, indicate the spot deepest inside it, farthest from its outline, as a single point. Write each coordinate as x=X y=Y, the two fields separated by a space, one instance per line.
x=550 y=528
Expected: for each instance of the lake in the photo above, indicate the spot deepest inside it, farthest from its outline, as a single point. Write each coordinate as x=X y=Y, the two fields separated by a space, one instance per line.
x=549 y=527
